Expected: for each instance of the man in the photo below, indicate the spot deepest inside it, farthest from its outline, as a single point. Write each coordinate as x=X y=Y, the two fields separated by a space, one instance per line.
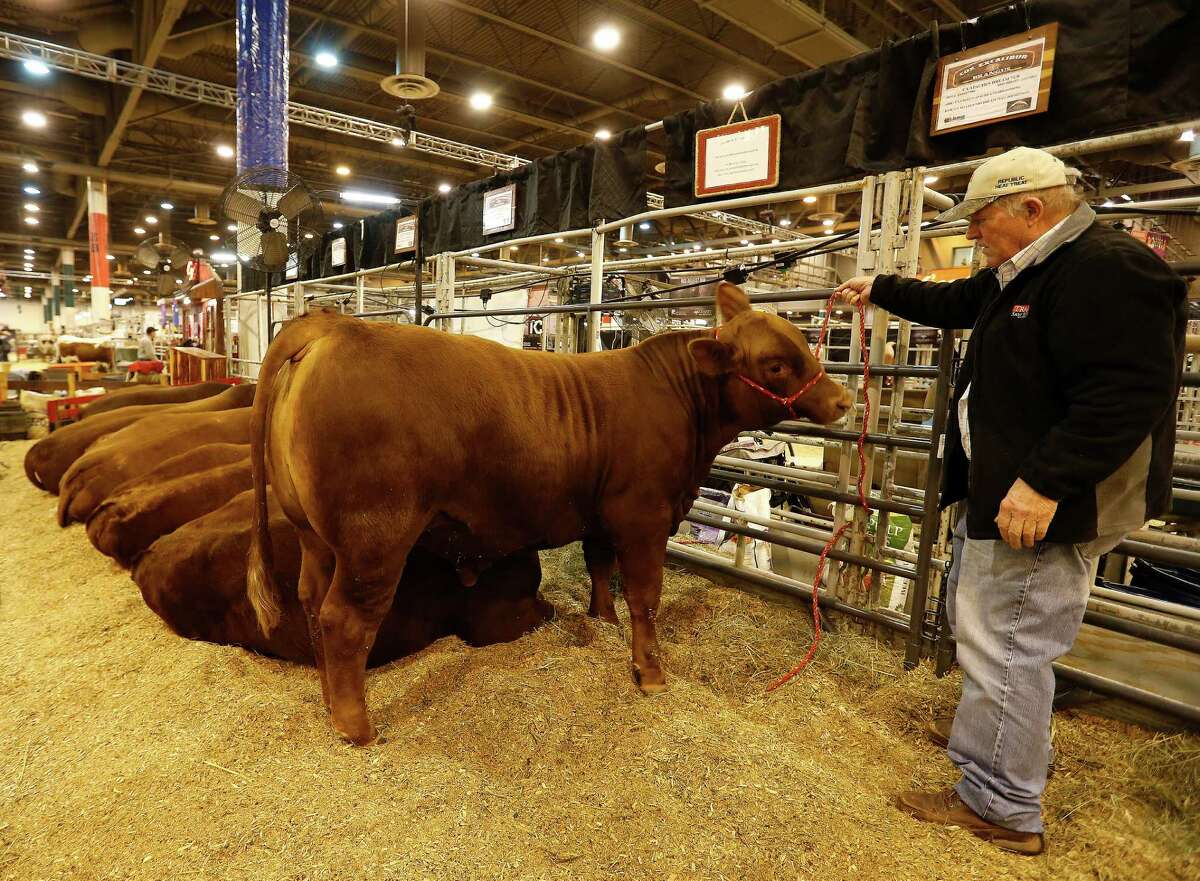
x=146 y=345
x=1060 y=440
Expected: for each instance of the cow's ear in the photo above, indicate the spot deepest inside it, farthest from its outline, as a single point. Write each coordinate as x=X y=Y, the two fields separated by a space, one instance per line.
x=712 y=356
x=731 y=301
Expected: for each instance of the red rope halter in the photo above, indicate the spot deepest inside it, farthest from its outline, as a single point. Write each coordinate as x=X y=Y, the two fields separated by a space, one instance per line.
x=788 y=402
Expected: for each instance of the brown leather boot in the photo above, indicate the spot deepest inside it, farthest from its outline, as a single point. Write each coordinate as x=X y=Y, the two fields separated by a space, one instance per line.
x=947 y=809
x=937 y=732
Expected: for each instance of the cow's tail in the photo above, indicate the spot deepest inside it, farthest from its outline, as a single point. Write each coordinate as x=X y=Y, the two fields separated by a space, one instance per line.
x=31 y=455
x=260 y=582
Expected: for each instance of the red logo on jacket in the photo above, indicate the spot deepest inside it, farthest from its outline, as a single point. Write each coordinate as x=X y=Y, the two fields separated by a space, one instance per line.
x=1020 y=311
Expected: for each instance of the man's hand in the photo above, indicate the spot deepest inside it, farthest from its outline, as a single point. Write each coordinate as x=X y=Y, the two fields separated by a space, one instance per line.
x=856 y=290
x=1025 y=516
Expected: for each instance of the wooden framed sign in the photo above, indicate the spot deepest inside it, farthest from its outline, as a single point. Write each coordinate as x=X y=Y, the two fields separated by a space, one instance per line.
x=406 y=234
x=500 y=209
x=738 y=157
x=995 y=82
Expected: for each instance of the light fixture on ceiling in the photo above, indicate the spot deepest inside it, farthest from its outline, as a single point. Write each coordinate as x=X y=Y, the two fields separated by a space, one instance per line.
x=109 y=257
x=31 y=221
x=480 y=100
x=1127 y=197
x=326 y=59
x=829 y=231
x=579 y=253
x=368 y=198
x=29 y=267
x=232 y=227
x=733 y=92
x=140 y=230
x=337 y=224
x=308 y=235
x=931 y=178
x=1188 y=135
x=225 y=151
x=645 y=224
x=87 y=278
x=828 y=221
x=744 y=242
x=36 y=66
x=30 y=167
x=443 y=187
x=1107 y=203
x=151 y=219
x=809 y=200
x=603 y=134
x=31 y=190
x=606 y=38
x=223 y=256
x=32 y=208
x=399 y=142
x=145 y=272
x=214 y=238
x=28 y=295
x=558 y=240
x=30 y=251
x=343 y=170
x=34 y=118
x=786 y=221
x=166 y=206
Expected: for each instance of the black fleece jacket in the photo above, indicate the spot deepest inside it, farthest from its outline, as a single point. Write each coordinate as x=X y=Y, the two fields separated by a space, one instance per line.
x=1074 y=369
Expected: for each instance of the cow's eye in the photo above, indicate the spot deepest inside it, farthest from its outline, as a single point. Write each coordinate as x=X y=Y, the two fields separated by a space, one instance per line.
x=775 y=369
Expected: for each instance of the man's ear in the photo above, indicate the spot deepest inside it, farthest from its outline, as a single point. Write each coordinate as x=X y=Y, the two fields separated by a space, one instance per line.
x=713 y=357
x=731 y=301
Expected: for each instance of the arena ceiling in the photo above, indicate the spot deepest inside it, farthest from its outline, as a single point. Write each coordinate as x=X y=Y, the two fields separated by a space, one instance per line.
x=549 y=85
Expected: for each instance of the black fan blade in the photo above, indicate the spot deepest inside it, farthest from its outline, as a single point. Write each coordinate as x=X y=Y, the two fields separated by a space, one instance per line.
x=243 y=208
x=274 y=251
x=293 y=202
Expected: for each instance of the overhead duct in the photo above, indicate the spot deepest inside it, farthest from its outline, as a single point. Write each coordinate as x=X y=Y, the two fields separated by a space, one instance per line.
x=409 y=81
x=791 y=27
x=105 y=35
x=200 y=217
x=826 y=209
x=1190 y=166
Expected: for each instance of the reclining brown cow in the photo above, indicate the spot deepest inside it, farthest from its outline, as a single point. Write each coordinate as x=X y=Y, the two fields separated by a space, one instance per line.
x=83 y=351
x=182 y=489
x=133 y=450
x=195 y=580
x=162 y=394
x=479 y=451
x=48 y=460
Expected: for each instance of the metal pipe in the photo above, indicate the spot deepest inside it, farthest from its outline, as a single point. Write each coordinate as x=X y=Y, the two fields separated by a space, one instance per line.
x=938 y=200
x=1172 y=556
x=817 y=492
x=804 y=429
x=1142 y=631
x=1162 y=606
x=525 y=240
x=509 y=264
x=1132 y=693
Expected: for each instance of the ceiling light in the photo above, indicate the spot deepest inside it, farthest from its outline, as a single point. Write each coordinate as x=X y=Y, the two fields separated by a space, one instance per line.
x=1107 y=203
x=579 y=253
x=28 y=289
x=166 y=206
x=179 y=281
x=776 y=242
x=623 y=250
x=829 y=232
x=558 y=240
x=225 y=151
x=28 y=267
x=32 y=221
x=87 y=278
x=480 y=100
x=745 y=241
x=931 y=178
x=343 y=170
x=140 y=230
x=30 y=167
x=232 y=227
x=368 y=198
x=34 y=118
x=606 y=38
x=31 y=190
x=443 y=187
x=28 y=295
x=308 y=235
x=1127 y=197
x=398 y=141
x=337 y=224
x=223 y=256
x=828 y=221
x=603 y=134
x=109 y=257
x=32 y=208
x=151 y=219
x=645 y=224
x=545 y=259
x=145 y=272
x=214 y=238
x=808 y=200
x=30 y=251
x=786 y=221
x=733 y=92
x=326 y=59
x=36 y=67
x=74 y=290
x=1188 y=136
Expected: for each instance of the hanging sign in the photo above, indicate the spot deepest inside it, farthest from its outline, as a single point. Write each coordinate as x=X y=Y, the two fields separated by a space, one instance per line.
x=406 y=234
x=738 y=157
x=293 y=268
x=500 y=209
x=998 y=81
x=337 y=251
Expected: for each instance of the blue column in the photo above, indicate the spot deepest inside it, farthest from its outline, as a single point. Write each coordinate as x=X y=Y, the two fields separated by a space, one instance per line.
x=262 y=83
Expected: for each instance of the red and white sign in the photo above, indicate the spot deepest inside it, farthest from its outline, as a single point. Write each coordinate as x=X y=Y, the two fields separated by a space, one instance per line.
x=738 y=157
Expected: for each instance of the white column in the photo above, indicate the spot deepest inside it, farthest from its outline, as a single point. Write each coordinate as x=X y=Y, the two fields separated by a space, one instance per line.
x=97 y=191
x=597 y=290
x=67 y=267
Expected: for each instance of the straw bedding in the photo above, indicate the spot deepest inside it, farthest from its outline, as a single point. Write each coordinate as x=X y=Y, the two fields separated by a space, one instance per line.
x=130 y=753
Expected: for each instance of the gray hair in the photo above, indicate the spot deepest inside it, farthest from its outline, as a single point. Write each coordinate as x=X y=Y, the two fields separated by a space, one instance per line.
x=1058 y=201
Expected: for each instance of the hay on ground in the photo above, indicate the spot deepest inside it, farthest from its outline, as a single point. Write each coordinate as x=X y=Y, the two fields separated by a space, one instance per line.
x=130 y=753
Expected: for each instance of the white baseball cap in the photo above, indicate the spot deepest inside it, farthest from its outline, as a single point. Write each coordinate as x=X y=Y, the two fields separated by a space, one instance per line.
x=1018 y=170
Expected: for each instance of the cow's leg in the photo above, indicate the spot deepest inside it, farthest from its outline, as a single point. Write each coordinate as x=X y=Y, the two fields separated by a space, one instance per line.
x=316 y=574
x=364 y=585
x=601 y=559
x=641 y=572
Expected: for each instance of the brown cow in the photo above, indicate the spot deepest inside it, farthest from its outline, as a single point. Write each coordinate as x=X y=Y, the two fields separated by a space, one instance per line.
x=480 y=451
x=83 y=351
x=195 y=580
x=143 y=510
x=48 y=460
x=162 y=394
x=135 y=449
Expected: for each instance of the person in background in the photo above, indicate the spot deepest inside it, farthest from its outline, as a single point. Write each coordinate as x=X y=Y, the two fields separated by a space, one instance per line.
x=145 y=350
x=1060 y=440
x=6 y=342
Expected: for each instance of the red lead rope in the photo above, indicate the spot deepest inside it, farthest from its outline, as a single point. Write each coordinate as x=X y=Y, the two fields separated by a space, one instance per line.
x=862 y=495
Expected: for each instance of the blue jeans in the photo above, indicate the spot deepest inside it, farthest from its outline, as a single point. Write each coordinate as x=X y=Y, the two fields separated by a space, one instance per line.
x=1012 y=613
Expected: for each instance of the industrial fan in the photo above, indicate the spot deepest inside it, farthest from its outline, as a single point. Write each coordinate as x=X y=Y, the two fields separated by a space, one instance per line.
x=165 y=256
x=278 y=217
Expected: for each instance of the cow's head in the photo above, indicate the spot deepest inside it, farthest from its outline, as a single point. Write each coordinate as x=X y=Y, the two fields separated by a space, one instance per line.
x=770 y=352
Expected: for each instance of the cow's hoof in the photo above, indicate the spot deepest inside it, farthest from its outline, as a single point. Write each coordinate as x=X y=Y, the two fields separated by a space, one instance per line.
x=650 y=682
x=365 y=737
